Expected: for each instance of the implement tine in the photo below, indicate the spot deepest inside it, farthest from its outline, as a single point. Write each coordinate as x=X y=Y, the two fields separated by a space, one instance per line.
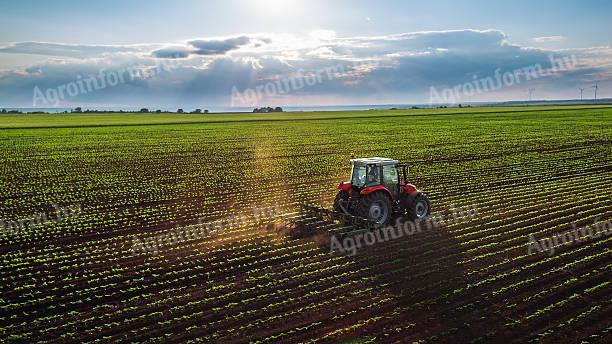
x=310 y=209
x=305 y=208
x=316 y=211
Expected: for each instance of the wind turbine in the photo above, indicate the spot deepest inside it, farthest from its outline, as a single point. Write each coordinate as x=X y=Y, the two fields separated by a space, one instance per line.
x=581 y=90
x=596 y=86
x=531 y=93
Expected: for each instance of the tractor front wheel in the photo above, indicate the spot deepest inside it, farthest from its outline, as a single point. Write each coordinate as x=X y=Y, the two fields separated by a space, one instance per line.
x=419 y=207
x=376 y=207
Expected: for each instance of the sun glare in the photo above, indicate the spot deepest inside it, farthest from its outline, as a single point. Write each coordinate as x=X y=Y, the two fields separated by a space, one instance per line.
x=276 y=7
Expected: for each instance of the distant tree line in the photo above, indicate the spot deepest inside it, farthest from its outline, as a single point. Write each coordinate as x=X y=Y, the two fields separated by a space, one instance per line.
x=143 y=110
x=80 y=110
x=196 y=111
x=5 y=111
x=11 y=111
x=268 y=109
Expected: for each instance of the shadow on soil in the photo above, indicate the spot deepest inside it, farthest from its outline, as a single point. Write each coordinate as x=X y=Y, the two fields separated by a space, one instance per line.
x=421 y=271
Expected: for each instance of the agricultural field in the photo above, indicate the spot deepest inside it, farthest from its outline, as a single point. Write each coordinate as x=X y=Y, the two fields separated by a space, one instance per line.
x=118 y=179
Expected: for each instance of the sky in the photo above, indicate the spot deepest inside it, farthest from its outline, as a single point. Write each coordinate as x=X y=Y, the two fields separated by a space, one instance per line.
x=198 y=54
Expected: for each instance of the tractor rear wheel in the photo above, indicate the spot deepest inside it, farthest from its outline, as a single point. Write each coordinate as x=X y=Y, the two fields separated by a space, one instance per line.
x=419 y=207
x=376 y=207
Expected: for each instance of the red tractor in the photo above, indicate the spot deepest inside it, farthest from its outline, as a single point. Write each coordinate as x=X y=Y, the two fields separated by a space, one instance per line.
x=376 y=193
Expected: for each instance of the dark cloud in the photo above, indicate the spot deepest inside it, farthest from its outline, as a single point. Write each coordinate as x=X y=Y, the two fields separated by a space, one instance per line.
x=205 y=47
x=218 y=47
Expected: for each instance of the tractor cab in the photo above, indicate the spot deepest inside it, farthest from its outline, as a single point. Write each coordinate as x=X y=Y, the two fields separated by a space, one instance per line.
x=372 y=172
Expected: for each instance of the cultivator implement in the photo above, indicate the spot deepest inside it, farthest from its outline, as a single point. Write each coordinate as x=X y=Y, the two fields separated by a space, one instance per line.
x=347 y=220
x=315 y=221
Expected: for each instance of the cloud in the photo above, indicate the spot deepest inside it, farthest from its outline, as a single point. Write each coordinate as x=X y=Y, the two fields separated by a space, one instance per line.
x=171 y=53
x=397 y=68
x=64 y=50
x=549 y=39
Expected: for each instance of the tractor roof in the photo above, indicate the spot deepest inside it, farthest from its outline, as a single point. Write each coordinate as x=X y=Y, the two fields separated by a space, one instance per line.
x=373 y=161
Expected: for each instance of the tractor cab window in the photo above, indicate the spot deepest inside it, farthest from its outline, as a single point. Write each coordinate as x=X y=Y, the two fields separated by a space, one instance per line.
x=365 y=175
x=391 y=179
x=390 y=174
x=358 y=176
